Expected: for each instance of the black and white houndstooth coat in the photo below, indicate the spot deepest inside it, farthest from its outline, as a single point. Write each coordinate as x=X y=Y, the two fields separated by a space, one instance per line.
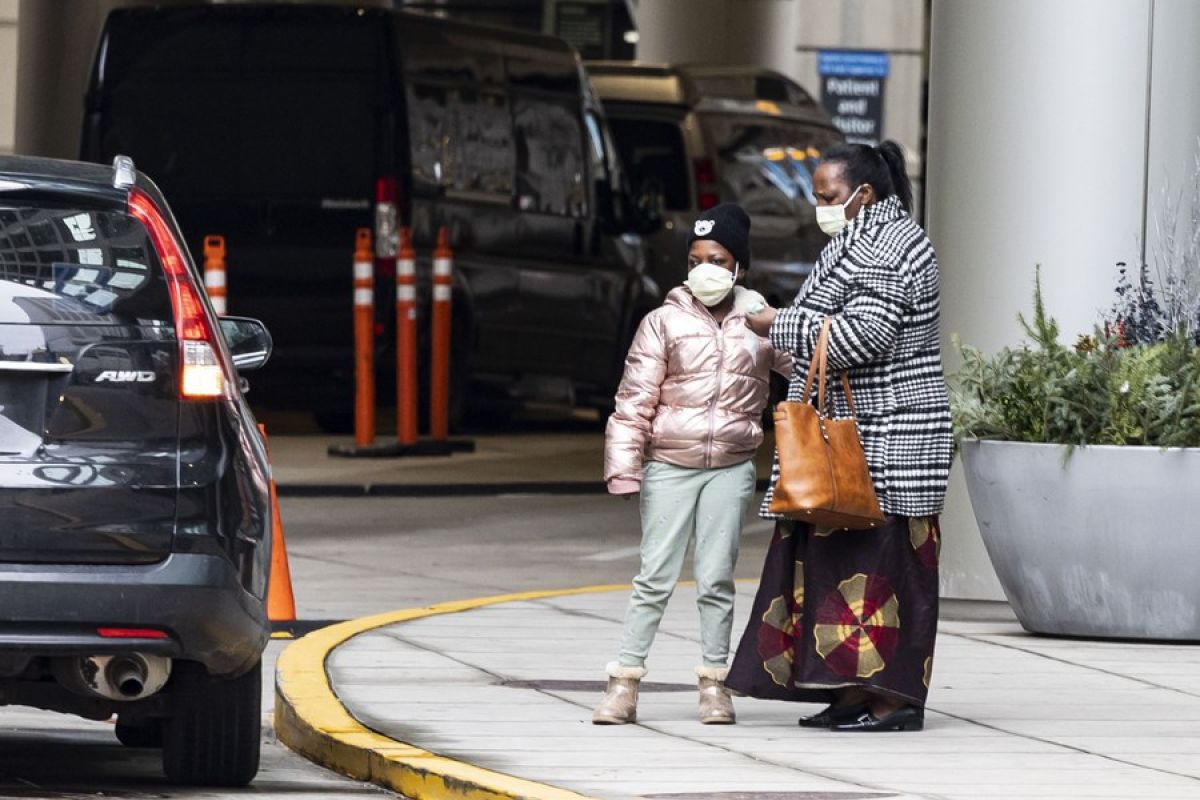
x=878 y=280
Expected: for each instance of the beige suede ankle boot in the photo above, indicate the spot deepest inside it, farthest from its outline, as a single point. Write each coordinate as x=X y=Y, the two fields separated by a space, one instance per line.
x=619 y=705
x=716 y=706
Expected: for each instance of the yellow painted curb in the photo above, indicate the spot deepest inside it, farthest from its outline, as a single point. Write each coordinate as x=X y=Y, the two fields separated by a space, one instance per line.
x=311 y=720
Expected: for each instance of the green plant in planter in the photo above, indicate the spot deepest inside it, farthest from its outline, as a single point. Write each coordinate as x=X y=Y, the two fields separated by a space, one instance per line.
x=1130 y=383
x=1134 y=381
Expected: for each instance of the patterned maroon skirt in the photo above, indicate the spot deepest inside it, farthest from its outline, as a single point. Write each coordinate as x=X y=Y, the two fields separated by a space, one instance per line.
x=843 y=608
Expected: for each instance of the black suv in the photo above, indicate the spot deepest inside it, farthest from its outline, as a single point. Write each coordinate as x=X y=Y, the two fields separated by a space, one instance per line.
x=135 y=511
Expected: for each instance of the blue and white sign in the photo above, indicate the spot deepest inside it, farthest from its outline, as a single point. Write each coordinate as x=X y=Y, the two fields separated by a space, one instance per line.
x=853 y=63
x=852 y=91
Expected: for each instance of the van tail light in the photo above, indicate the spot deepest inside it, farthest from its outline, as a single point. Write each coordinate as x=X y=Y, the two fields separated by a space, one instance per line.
x=387 y=235
x=706 y=183
x=203 y=375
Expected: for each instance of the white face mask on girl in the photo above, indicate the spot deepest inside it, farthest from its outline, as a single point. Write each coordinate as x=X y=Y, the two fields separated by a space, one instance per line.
x=832 y=219
x=709 y=283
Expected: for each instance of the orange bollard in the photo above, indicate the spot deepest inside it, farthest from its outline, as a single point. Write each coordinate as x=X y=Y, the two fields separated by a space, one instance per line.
x=439 y=371
x=214 y=272
x=281 y=602
x=406 y=341
x=364 y=339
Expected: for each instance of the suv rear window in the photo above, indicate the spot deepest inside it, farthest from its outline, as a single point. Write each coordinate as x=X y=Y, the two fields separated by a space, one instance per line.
x=78 y=267
x=766 y=164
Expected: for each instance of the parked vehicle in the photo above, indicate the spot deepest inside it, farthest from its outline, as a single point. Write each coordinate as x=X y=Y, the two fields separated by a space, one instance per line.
x=284 y=127
x=135 y=549
x=694 y=136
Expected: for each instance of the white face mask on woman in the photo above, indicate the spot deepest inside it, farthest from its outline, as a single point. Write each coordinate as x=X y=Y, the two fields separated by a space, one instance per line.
x=709 y=283
x=832 y=219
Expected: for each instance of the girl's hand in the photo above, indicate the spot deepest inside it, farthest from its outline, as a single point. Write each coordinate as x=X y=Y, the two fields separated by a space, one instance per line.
x=761 y=322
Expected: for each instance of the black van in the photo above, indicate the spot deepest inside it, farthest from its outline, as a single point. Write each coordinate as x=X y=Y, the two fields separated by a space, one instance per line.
x=285 y=127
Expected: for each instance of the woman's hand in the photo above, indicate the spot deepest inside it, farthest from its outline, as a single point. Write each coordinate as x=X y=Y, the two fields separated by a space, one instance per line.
x=761 y=322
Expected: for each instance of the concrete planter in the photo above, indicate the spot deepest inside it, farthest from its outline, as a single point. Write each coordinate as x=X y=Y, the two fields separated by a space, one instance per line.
x=1106 y=546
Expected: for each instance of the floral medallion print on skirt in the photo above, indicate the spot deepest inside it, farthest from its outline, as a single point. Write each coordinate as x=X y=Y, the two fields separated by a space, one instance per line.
x=836 y=609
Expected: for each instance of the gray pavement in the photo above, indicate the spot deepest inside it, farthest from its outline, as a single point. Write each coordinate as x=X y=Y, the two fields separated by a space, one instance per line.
x=499 y=458
x=531 y=457
x=510 y=688
x=1011 y=715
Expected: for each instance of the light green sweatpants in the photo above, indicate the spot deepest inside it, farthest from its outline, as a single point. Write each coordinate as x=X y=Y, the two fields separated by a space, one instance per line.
x=675 y=503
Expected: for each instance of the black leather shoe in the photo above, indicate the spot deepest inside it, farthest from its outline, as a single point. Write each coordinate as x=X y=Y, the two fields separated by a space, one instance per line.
x=832 y=715
x=908 y=718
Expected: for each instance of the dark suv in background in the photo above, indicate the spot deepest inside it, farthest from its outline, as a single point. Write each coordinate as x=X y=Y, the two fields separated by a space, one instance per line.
x=692 y=136
x=134 y=484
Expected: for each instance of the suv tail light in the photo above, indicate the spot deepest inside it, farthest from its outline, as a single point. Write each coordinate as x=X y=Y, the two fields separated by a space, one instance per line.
x=706 y=184
x=203 y=374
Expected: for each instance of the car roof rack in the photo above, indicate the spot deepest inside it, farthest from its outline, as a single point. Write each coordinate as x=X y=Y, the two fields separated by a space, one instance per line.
x=124 y=174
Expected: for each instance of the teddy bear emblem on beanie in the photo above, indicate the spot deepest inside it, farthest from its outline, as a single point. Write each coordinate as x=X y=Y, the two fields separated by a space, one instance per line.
x=704 y=226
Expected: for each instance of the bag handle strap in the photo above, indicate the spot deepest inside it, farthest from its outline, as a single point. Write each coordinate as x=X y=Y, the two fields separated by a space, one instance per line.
x=816 y=365
x=817 y=368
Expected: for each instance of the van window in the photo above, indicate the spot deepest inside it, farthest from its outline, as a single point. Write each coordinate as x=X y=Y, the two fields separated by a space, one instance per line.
x=551 y=169
x=247 y=107
x=428 y=124
x=76 y=267
x=485 y=143
x=654 y=159
x=765 y=164
x=461 y=140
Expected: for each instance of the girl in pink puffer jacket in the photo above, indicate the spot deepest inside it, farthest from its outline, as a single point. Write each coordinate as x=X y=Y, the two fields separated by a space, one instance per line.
x=684 y=432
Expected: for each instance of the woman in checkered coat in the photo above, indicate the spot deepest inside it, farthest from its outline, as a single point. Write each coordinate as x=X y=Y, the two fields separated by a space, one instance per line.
x=848 y=618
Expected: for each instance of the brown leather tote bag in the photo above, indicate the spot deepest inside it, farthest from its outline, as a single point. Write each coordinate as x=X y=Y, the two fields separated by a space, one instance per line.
x=823 y=474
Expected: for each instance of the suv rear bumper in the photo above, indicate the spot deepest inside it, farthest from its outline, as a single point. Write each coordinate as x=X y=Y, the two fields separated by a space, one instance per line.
x=54 y=609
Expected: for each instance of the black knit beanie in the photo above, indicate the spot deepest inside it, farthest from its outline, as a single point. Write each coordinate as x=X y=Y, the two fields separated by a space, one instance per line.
x=727 y=225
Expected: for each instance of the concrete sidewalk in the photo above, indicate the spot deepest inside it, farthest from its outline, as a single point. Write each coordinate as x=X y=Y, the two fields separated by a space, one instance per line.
x=573 y=461
x=509 y=689
x=304 y=461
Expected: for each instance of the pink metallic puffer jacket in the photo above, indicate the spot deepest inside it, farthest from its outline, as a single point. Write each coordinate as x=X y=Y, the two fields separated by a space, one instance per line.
x=692 y=394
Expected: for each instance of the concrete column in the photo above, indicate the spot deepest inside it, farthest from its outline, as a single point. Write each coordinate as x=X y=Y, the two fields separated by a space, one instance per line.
x=8 y=74
x=1049 y=124
x=761 y=32
x=1174 y=118
x=57 y=43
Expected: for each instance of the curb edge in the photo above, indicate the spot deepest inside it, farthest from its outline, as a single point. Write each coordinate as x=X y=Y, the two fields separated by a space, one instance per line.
x=310 y=719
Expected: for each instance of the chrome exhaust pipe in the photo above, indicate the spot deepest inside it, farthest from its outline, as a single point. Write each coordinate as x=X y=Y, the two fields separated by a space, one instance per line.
x=128 y=676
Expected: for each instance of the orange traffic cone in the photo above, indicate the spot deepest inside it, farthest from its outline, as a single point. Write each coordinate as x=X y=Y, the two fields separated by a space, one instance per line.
x=281 y=603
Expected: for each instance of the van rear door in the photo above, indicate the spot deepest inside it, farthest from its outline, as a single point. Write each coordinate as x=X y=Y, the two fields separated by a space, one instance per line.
x=89 y=389
x=269 y=126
